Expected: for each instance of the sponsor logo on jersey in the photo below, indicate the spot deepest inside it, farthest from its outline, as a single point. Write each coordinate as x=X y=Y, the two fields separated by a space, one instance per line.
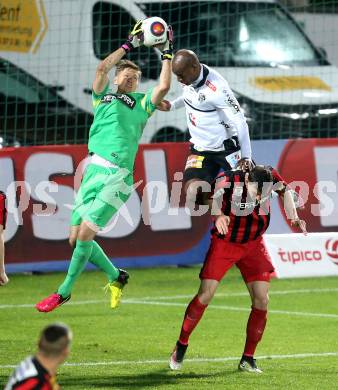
x=129 y=101
x=192 y=118
x=211 y=85
x=233 y=102
x=244 y=205
x=201 y=97
x=248 y=205
x=224 y=124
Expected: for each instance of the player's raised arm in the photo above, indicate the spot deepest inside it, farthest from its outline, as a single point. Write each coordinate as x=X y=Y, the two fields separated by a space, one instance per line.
x=165 y=77
x=105 y=66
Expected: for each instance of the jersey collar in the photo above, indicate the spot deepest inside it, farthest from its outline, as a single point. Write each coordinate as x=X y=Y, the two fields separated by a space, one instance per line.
x=205 y=72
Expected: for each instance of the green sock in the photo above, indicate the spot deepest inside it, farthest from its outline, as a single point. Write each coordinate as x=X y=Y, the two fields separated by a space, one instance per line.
x=100 y=259
x=81 y=255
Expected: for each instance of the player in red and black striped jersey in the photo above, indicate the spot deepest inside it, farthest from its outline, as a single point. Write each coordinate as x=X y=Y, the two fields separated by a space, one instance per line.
x=249 y=213
x=31 y=375
x=240 y=203
x=3 y=218
x=39 y=372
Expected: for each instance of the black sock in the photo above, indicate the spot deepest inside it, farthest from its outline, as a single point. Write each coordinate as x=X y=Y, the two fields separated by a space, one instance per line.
x=248 y=359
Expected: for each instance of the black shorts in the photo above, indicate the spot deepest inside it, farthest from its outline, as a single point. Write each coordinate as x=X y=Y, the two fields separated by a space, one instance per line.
x=206 y=165
x=3 y=210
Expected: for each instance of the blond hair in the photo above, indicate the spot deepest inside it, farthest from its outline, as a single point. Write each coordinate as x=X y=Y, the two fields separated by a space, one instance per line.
x=125 y=64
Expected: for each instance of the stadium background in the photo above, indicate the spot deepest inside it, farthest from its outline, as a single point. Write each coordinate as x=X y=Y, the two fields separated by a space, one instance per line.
x=48 y=53
x=59 y=44
x=284 y=74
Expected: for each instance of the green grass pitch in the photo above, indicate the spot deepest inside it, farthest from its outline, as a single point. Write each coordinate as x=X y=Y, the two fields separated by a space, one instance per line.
x=128 y=348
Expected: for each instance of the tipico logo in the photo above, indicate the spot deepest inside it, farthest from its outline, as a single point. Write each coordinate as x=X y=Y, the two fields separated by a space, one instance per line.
x=331 y=247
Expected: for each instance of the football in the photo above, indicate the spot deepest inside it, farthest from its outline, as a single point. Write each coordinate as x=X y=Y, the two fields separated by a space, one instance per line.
x=154 y=31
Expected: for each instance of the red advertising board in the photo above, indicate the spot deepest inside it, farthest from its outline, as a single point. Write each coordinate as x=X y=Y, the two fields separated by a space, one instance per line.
x=37 y=229
x=155 y=227
x=315 y=162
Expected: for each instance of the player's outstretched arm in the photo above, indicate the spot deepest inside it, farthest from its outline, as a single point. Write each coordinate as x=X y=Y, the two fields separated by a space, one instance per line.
x=105 y=66
x=165 y=77
x=166 y=105
x=291 y=212
x=3 y=276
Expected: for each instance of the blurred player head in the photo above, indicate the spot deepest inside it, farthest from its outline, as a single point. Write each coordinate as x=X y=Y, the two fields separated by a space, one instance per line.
x=186 y=66
x=259 y=182
x=54 y=342
x=127 y=76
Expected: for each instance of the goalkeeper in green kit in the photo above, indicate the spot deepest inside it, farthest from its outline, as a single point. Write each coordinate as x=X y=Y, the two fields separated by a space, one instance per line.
x=119 y=119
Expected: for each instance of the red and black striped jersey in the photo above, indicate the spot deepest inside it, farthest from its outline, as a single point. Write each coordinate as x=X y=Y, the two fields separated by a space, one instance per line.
x=249 y=218
x=31 y=375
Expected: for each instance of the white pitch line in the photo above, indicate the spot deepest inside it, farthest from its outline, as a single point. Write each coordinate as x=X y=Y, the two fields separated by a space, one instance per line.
x=246 y=294
x=160 y=298
x=233 y=308
x=193 y=360
x=176 y=304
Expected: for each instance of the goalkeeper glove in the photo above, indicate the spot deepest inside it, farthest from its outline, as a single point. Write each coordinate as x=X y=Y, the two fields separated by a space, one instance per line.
x=167 y=48
x=133 y=40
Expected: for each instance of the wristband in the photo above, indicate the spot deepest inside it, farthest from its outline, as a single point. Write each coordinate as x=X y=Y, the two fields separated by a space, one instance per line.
x=127 y=47
x=167 y=55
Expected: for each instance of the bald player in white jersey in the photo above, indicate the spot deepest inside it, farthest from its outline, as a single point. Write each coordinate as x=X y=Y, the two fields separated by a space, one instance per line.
x=218 y=129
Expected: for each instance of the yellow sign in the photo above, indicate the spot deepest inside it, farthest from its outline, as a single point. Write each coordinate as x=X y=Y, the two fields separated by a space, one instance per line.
x=23 y=24
x=286 y=83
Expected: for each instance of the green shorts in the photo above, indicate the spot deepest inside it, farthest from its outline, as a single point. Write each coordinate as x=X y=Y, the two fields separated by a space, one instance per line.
x=102 y=192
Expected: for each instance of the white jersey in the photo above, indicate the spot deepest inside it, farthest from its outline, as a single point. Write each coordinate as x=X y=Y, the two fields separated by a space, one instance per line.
x=213 y=113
